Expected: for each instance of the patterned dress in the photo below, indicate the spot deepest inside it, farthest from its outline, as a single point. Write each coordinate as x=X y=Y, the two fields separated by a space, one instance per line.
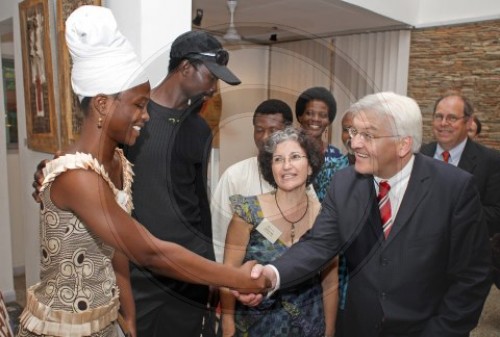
x=334 y=161
x=296 y=312
x=77 y=294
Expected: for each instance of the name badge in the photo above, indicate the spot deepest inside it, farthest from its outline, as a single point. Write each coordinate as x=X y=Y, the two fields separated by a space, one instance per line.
x=268 y=230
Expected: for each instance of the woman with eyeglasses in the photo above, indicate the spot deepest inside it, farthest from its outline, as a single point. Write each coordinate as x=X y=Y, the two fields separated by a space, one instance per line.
x=264 y=227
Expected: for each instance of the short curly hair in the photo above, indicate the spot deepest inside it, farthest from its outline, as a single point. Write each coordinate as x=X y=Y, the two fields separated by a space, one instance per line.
x=316 y=94
x=272 y=107
x=311 y=147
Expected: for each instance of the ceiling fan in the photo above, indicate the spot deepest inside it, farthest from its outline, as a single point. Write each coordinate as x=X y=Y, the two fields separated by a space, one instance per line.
x=227 y=34
x=231 y=34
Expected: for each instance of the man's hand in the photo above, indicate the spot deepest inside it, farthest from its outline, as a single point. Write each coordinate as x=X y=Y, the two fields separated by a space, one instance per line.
x=253 y=299
x=38 y=177
x=254 y=284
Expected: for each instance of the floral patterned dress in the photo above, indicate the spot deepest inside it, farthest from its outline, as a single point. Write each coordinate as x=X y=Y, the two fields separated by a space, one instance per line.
x=296 y=312
x=77 y=294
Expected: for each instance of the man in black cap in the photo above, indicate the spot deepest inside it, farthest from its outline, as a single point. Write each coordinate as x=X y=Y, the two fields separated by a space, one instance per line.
x=170 y=161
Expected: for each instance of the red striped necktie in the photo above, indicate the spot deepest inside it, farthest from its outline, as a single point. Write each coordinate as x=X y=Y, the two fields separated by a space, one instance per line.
x=384 y=204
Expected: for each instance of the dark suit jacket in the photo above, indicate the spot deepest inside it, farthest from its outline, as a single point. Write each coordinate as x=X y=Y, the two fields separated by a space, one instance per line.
x=484 y=164
x=429 y=278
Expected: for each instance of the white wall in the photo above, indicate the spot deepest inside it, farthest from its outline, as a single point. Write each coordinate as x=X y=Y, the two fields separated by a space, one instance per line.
x=16 y=211
x=436 y=13
x=405 y=11
x=151 y=26
x=426 y=13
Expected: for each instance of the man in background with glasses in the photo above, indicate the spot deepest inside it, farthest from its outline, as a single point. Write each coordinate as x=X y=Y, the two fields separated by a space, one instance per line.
x=451 y=120
x=411 y=229
x=170 y=161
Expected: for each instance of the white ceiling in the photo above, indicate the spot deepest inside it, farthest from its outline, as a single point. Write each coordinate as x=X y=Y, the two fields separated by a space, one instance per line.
x=256 y=20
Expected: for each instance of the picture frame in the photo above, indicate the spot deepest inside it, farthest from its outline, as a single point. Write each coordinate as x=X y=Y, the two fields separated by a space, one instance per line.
x=71 y=116
x=41 y=123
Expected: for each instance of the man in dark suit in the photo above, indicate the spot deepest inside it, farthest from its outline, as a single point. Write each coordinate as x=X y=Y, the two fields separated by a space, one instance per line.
x=452 y=119
x=425 y=271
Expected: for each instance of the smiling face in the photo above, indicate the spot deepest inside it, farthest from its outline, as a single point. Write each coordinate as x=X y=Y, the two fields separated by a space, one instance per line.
x=449 y=134
x=128 y=114
x=290 y=166
x=315 y=120
x=383 y=155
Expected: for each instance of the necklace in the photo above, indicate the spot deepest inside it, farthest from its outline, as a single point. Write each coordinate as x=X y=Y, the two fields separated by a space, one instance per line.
x=292 y=223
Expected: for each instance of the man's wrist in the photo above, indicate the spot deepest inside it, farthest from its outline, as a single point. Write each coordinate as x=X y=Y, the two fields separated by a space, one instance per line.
x=275 y=281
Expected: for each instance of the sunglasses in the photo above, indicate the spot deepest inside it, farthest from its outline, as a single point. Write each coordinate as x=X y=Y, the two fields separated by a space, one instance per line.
x=220 y=56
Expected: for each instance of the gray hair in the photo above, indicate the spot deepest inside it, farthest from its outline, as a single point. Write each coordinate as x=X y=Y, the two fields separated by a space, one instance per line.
x=402 y=110
x=310 y=146
x=280 y=136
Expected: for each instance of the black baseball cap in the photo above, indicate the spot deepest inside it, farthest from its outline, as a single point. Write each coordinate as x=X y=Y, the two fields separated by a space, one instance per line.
x=204 y=47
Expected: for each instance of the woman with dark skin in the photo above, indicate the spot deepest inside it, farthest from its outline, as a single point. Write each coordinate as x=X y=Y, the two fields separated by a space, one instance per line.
x=87 y=233
x=315 y=110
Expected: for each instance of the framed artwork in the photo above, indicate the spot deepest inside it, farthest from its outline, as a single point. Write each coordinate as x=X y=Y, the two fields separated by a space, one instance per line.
x=71 y=116
x=41 y=121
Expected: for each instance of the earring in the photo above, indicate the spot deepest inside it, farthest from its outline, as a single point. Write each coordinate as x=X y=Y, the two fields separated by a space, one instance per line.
x=99 y=122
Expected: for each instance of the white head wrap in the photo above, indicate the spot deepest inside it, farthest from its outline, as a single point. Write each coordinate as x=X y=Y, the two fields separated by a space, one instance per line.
x=104 y=61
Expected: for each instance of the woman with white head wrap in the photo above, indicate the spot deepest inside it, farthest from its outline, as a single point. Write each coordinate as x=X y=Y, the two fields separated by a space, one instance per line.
x=87 y=233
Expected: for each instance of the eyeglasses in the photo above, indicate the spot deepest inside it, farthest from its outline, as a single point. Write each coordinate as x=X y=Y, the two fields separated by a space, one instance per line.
x=293 y=158
x=448 y=118
x=221 y=56
x=366 y=136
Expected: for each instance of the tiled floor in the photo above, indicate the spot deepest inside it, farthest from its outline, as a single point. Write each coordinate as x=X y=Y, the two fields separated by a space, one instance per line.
x=489 y=323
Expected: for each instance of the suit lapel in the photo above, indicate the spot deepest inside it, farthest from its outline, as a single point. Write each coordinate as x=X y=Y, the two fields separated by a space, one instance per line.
x=429 y=149
x=362 y=198
x=418 y=186
x=368 y=233
x=468 y=160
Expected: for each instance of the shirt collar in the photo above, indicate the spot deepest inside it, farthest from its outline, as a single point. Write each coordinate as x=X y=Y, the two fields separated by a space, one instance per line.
x=400 y=176
x=455 y=153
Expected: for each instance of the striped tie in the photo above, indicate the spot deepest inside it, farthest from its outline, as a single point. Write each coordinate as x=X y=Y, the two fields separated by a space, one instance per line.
x=384 y=203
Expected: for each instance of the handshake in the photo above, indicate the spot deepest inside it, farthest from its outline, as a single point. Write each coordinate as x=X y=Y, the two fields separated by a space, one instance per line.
x=264 y=277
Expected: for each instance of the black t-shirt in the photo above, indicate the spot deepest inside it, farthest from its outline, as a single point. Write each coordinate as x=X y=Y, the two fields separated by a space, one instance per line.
x=170 y=161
